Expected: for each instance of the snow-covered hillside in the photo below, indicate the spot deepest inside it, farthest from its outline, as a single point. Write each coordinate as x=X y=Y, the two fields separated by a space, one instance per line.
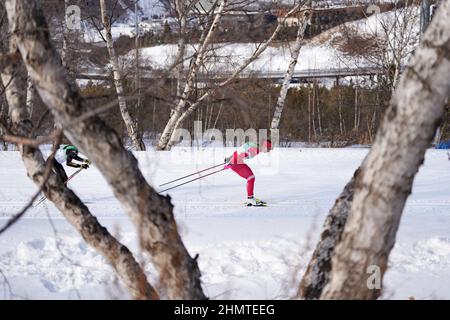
x=232 y=55
x=244 y=252
x=321 y=52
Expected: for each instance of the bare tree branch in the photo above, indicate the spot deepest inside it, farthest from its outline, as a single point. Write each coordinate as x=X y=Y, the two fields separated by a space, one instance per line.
x=28 y=141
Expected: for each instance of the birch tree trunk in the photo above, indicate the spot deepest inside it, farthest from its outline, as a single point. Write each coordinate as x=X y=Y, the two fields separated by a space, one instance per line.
x=311 y=289
x=95 y=235
x=129 y=123
x=31 y=97
x=181 y=45
x=65 y=35
x=319 y=267
x=388 y=171
x=309 y=115
x=3 y=107
x=355 y=125
x=151 y=213
x=189 y=86
x=341 y=125
x=137 y=82
x=313 y=115
x=303 y=22
x=319 y=117
x=438 y=136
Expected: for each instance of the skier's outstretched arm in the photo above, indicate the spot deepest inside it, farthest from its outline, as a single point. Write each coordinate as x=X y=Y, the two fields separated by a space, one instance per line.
x=78 y=158
x=69 y=163
x=85 y=162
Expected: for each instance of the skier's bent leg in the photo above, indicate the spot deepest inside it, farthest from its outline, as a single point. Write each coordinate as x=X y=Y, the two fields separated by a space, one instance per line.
x=245 y=172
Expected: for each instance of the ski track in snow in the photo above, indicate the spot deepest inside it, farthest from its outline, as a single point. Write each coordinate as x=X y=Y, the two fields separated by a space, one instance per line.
x=244 y=253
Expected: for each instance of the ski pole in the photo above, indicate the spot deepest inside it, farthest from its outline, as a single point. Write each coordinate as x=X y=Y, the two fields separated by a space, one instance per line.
x=73 y=175
x=42 y=199
x=178 y=185
x=192 y=174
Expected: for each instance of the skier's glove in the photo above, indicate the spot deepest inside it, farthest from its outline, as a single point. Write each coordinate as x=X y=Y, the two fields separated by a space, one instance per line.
x=88 y=162
x=85 y=166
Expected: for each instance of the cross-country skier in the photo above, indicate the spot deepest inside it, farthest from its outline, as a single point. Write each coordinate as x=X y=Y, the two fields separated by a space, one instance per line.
x=68 y=153
x=236 y=163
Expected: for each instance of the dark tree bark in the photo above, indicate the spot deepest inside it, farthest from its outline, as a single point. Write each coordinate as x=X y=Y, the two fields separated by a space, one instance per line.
x=319 y=267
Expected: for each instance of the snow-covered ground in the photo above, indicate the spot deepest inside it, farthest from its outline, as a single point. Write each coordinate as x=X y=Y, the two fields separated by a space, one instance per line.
x=244 y=252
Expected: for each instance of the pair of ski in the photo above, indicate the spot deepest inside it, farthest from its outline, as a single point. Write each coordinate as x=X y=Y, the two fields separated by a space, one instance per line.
x=259 y=203
x=43 y=198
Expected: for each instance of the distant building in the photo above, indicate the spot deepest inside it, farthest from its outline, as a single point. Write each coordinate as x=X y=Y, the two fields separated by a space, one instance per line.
x=324 y=18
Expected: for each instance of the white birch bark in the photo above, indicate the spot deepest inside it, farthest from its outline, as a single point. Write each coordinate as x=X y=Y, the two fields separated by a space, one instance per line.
x=129 y=123
x=3 y=112
x=309 y=115
x=181 y=45
x=65 y=35
x=388 y=172
x=31 y=98
x=137 y=82
x=151 y=213
x=312 y=285
x=78 y=215
x=314 y=111
x=341 y=120
x=196 y=62
x=319 y=117
x=303 y=22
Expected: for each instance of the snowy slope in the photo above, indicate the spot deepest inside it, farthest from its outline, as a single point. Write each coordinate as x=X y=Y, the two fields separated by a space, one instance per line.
x=244 y=252
x=321 y=52
x=229 y=56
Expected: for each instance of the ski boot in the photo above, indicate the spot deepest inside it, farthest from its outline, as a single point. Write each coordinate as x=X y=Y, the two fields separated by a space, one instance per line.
x=254 y=202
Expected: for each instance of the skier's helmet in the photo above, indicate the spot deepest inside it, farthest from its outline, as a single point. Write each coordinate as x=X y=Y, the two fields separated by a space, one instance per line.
x=68 y=147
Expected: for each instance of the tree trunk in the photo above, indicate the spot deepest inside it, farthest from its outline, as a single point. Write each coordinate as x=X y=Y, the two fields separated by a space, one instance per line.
x=313 y=284
x=31 y=97
x=438 y=136
x=303 y=22
x=313 y=115
x=196 y=62
x=309 y=115
x=65 y=35
x=355 y=125
x=3 y=113
x=387 y=173
x=319 y=118
x=341 y=120
x=319 y=267
x=129 y=123
x=151 y=213
x=137 y=82
x=181 y=46
x=98 y=237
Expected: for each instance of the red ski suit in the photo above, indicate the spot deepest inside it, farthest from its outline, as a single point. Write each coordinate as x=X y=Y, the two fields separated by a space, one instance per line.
x=248 y=151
